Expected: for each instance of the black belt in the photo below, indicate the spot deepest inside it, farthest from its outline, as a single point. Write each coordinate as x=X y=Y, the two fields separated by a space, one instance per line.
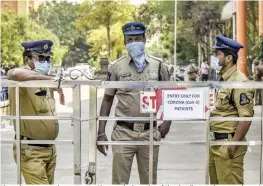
x=130 y=125
x=222 y=135
x=38 y=145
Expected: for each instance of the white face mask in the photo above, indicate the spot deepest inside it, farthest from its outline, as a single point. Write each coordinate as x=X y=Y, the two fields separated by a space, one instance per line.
x=215 y=63
x=136 y=51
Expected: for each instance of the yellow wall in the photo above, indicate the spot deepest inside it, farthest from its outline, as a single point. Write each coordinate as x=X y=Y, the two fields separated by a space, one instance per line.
x=18 y=6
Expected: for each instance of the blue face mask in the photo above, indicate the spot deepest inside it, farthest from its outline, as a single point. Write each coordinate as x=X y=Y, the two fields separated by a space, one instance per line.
x=42 y=67
x=136 y=51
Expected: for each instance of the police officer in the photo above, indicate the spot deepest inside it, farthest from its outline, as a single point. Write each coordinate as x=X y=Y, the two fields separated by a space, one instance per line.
x=226 y=162
x=136 y=66
x=191 y=71
x=38 y=161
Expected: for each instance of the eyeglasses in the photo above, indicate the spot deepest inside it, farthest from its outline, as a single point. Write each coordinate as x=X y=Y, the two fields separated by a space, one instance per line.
x=45 y=58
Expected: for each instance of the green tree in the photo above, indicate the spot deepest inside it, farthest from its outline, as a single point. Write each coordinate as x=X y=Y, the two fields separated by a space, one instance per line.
x=159 y=18
x=61 y=19
x=191 y=24
x=17 y=29
x=102 y=19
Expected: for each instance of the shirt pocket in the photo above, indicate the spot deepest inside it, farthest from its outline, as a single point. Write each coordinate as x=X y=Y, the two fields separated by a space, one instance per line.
x=152 y=77
x=52 y=105
x=42 y=105
x=222 y=101
x=126 y=77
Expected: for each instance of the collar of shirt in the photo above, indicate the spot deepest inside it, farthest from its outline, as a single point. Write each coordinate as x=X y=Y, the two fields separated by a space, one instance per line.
x=146 y=58
x=228 y=73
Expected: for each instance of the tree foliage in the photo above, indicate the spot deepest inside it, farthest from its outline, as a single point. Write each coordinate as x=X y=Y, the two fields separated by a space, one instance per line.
x=102 y=21
x=61 y=19
x=16 y=29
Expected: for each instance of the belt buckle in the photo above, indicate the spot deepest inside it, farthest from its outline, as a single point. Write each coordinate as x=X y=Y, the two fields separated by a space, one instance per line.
x=212 y=136
x=138 y=127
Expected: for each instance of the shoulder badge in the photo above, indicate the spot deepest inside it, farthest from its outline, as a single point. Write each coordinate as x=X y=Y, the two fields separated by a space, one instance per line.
x=244 y=100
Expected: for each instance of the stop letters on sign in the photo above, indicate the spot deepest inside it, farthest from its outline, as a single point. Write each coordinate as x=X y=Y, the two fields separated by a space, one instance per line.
x=146 y=99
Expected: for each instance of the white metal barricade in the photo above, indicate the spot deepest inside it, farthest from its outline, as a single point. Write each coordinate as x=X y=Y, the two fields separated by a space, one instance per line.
x=93 y=118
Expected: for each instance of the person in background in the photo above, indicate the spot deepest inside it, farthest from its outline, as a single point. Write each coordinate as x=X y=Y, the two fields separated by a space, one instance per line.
x=204 y=70
x=191 y=73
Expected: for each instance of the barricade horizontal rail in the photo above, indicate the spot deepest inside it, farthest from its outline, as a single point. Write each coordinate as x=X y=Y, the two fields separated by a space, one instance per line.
x=37 y=117
x=134 y=84
x=174 y=84
x=7 y=141
x=249 y=143
x=104 y=118
x=212 y=143
x=235 y=118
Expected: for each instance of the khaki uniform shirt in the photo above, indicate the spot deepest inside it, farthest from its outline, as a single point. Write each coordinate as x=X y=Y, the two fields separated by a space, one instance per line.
x=242 y=105
x=33 y=105
x=129 y=98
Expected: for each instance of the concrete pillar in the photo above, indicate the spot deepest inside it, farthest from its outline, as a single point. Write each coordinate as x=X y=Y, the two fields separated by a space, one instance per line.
x=241 y=36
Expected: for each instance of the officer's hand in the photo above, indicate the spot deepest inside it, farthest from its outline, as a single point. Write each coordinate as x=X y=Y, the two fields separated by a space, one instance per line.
x=61 y=98
x=231 y=149
x=102 y=148
x=61 y=95
x=51 y=93
x=164 y=129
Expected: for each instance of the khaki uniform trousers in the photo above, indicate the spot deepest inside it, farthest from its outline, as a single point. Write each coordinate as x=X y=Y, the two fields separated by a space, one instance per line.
x=37 y=163
x=224 y=170
x=123 y=155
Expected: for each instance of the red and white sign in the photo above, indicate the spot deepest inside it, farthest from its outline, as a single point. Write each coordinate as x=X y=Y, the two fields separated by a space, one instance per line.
x=174 y=104
x=148 y=102
x=212 y=99
x=183 y=104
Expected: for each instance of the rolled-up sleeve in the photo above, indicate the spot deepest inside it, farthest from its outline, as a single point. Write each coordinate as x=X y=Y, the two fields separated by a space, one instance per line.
x=111 y=76
x=244 y=100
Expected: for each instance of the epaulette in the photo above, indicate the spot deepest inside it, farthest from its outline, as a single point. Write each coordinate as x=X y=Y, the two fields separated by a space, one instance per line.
x=114 y=62
x=241 y=76
x=156 y=58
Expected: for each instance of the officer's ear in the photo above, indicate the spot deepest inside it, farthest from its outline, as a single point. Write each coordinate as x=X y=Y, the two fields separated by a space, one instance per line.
x=144 y=38
x=229 y=58
x=124 y=40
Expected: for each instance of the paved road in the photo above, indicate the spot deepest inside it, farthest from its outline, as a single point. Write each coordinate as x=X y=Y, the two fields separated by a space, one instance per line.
x=177 y=164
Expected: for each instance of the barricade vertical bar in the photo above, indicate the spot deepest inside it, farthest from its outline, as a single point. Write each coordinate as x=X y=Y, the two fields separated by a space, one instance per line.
x=77 y=134
x=261 y=152
x=18 y=149
x=151 y=151
x=207 y=132
x=93 y=131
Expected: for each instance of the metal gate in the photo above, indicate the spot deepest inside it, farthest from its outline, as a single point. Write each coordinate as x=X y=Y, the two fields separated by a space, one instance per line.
x=90 y=176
